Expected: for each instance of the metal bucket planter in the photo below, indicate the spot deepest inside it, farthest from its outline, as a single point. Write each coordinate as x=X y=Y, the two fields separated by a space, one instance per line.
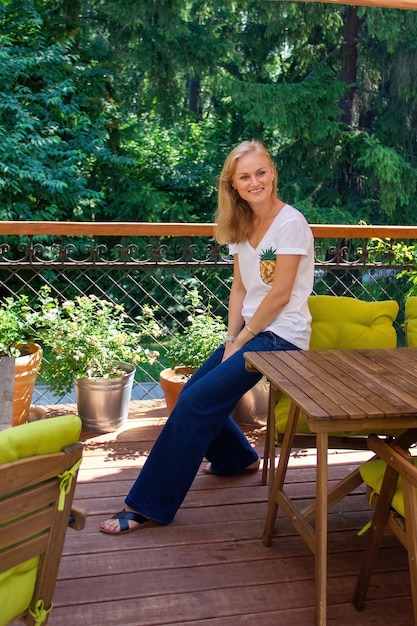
x=103 y=403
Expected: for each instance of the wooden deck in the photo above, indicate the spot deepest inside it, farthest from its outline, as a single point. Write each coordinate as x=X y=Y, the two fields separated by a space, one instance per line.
x=209 y=567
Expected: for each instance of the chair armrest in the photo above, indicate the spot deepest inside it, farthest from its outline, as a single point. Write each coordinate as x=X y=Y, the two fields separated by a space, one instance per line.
x=77 y=518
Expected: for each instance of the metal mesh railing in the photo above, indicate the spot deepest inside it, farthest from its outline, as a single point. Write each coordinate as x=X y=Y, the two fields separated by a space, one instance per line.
x=163 y=271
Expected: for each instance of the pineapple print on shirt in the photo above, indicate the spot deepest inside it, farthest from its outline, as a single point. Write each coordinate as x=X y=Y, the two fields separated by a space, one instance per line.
x=267 y=265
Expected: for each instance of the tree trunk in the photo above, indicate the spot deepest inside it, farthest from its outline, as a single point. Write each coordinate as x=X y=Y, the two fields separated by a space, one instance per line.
x=193 y=96
x=349 y=103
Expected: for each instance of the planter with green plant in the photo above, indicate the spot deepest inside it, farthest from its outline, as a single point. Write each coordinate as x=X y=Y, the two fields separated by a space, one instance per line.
x=20 y=353
x=190 y=347
x=90 y=344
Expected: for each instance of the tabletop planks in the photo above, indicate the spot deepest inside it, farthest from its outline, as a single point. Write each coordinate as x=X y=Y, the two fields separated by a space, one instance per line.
x=344 y=384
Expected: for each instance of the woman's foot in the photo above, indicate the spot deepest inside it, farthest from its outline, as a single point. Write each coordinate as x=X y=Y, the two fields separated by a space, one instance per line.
x=253 y=467
x=126 y=521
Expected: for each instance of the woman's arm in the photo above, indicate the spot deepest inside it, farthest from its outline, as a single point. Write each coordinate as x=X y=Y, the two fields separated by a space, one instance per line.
x=237 y=295
x=286 y=268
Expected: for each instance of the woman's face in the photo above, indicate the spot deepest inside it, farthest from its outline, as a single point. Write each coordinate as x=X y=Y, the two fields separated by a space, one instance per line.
x=253 y=178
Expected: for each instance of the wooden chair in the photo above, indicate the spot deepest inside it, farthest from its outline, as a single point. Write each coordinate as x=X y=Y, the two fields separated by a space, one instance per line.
x=39 y=462
x=410 y=323
x=338 y=322
x=392 y=491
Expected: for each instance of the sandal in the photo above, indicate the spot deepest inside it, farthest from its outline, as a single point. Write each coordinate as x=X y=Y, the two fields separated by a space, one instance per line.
x=123 y=518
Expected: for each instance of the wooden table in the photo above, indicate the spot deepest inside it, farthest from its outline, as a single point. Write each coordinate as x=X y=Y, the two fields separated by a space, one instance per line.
x=338 y=391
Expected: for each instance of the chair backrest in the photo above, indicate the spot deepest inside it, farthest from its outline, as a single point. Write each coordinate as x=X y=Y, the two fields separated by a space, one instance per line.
x=38 y=468
x=339 y=322
x=410 y=325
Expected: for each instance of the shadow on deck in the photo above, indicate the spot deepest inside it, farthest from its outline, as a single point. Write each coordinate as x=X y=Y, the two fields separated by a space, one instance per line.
x=210 y=566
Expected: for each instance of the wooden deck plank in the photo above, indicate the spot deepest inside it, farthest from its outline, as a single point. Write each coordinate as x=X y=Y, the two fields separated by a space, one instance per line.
x=210 y=567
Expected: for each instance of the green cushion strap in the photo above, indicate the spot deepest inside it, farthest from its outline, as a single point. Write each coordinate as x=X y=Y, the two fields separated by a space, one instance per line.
x=368 y=525
x=66 y=482
x=40 y=614
x=365 y=528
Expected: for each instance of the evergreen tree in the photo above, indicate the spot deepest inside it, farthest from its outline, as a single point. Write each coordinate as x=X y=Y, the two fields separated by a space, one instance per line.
x=53 y=118
x=115 y=110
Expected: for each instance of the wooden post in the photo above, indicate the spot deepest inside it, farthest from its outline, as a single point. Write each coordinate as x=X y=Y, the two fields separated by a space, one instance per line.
x=6 y=391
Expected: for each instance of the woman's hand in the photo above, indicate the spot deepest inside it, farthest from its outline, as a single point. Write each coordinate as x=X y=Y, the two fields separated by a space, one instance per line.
x=229 y=349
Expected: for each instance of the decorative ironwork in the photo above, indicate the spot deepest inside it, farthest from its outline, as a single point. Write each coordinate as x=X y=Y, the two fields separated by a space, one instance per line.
x=161 y=270
x=90 y=251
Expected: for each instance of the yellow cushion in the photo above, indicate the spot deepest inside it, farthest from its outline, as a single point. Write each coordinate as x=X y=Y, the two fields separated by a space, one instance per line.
x=339 y=322
x=41 y=437
x=345 y=323
x=411 y=321
x=36 y=438
x=16 y=589
x=372 y=474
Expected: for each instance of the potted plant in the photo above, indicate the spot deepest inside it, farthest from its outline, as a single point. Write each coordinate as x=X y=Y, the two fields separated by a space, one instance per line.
x=89 y=343
x=190 y=347
x=17 y=344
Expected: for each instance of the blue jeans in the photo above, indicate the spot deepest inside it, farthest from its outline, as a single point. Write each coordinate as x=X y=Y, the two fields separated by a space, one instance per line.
x=200 y=426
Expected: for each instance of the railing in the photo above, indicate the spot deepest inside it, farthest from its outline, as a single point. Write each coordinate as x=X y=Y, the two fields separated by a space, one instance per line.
x=160 y=264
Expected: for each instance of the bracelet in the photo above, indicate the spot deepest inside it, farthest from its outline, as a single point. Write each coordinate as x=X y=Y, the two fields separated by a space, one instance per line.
x=229 y=338
x=250 y=330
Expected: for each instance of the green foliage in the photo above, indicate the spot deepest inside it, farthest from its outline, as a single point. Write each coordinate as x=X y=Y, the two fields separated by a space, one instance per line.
x=117 y=111
x=398 y=253
x=203 y=334
x=88 y=337
x=17 y=320
x=386 y=251
x=394 y=177
x=53 y=118
x=174 y=174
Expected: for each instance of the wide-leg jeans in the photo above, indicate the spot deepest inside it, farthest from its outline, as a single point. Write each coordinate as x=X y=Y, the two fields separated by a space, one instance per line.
x=200 y=426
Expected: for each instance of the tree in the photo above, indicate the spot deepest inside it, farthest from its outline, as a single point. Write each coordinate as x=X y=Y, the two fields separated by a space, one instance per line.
x=53 y=118
x=116 y=110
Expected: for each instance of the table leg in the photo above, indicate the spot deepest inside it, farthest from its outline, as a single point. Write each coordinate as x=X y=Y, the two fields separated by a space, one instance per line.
x=279 y=479
x=268 y=469
x=321 y=530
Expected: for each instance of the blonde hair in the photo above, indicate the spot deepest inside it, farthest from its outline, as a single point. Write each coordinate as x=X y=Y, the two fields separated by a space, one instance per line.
x=234 y=216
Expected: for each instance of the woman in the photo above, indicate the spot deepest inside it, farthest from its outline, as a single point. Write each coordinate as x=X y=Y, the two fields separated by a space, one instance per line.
x=252 y=219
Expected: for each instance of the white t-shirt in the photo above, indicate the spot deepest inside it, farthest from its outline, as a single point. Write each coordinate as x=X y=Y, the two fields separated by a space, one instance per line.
x=289 y=233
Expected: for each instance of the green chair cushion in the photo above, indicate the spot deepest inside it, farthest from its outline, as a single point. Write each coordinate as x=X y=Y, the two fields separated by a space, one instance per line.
x=339 y=322
x=36 y=438
x=16 y=589
x=372 y=474
x=411 y=321
x=40 y=437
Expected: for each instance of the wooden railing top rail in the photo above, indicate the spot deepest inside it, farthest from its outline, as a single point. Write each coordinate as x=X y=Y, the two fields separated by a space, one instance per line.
x=168 y=229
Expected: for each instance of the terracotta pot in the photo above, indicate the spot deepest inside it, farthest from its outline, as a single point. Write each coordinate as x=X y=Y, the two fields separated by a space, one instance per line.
x=26 y=370
x=251 y=410
x=172 y=381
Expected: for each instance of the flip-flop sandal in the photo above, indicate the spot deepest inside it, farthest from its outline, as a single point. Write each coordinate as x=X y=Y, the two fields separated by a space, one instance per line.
x=123 y=518
x=246 y=470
